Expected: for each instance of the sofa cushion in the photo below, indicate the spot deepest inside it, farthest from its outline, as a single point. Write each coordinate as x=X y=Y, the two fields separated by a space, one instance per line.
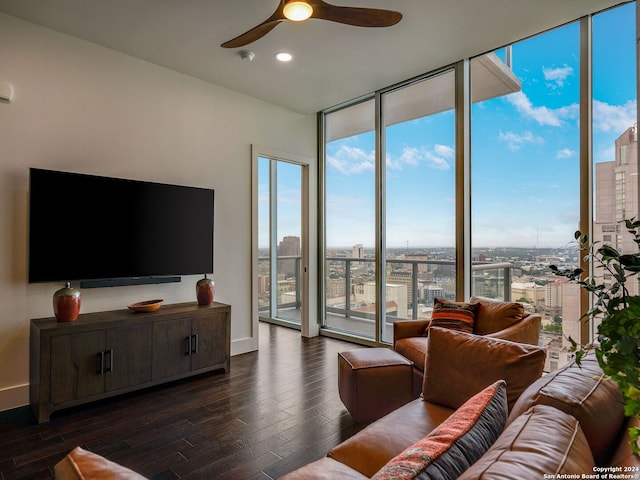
x=460 y=316
x=414 y=349
x=372 y=447
x=459 y=365
x=541 y=443
x=494 y=316
x=81 y=464
x=324 y=469
x=585 y=393
x=457 y=443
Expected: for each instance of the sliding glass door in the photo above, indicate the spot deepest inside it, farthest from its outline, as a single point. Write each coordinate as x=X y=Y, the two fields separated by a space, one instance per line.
x=280 y=242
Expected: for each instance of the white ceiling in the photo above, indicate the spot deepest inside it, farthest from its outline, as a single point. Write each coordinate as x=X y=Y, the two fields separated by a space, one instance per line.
x=332 y=62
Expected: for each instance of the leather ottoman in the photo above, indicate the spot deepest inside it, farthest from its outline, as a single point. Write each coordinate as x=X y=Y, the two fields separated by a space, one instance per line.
x=373 y=382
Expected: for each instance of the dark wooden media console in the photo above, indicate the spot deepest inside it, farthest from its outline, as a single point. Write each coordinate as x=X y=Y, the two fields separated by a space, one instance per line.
x=104 y=354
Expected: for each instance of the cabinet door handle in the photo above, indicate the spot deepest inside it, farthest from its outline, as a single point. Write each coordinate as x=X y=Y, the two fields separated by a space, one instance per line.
x=194 y=343
x=110 y=367
x=188 y=345
x=100 y=369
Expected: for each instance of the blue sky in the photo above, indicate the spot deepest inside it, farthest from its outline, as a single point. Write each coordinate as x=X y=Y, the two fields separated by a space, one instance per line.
x=524 y=152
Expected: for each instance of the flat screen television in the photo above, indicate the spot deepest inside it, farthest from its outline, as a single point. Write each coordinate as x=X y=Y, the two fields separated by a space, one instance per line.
x=105 y=231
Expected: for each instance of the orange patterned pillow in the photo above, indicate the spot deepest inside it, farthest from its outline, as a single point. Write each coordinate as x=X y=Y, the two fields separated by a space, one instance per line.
x=459 y=316
x=455 y=444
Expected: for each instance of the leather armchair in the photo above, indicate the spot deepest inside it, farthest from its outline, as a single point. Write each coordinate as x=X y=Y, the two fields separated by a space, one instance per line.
x=505 y=320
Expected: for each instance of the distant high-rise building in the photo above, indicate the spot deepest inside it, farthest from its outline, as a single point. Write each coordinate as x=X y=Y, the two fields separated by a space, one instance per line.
x=528 y=292
x=289 y=247
x=430 y=292
x=335 y=288
x=553 y=294
x=357 y=251
x=394 y=292
x=616 y=199
x=402 y=277
x=616 y=186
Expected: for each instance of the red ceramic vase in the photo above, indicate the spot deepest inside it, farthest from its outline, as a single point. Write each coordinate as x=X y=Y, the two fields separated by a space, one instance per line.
x=205 y=291
x=66 y=303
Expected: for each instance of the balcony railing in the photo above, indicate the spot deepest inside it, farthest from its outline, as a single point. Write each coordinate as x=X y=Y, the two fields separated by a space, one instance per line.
x=288 y=287
x=350 y=286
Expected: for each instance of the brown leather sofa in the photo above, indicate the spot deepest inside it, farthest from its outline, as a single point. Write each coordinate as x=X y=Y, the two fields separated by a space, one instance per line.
x=81 y=464
x=569 y=422
x=506 y=320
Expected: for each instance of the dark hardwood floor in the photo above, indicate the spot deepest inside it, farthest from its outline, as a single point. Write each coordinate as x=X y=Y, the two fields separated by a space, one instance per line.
x=276 y=410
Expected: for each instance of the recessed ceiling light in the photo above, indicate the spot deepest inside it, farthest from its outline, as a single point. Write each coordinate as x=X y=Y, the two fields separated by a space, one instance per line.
x=284 y=57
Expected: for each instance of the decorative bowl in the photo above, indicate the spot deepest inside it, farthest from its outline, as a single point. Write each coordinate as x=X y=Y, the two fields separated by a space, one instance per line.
x=146 y=306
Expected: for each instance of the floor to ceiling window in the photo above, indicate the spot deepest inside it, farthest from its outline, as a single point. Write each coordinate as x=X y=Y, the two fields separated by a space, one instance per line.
x=525 y=180
x=419 y=186
x=350 y=220
x=390 y=211
x=615 y=133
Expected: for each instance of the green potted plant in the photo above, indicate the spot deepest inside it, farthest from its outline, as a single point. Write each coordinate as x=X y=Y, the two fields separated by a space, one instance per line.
x=618 y=336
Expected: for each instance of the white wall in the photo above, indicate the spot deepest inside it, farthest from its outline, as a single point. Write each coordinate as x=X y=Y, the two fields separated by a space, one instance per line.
x=83 y=108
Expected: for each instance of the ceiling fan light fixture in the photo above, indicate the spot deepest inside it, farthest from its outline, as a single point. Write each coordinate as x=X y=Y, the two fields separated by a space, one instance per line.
x=297 y=11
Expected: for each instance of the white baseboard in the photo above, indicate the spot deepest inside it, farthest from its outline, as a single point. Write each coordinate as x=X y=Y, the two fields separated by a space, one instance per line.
x=14 y=397
x=244 y=345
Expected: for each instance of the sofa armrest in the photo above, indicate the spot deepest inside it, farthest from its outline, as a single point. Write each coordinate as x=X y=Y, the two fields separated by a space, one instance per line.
x=526 y=330
x=409 y=328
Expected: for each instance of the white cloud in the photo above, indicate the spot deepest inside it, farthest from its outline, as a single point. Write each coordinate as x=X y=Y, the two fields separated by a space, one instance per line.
x=439 y=157
x=565 y=153
x=514 y=141
x=348 y=160
x=444 y=151
x=436 y=161
x=543 y=115
x=410 y=156
x=616 y=118
x=556 y=76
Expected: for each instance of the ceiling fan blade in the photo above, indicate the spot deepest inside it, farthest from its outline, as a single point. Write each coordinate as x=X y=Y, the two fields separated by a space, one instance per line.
x=358 y=16
x=258 y=31
x=252 y=35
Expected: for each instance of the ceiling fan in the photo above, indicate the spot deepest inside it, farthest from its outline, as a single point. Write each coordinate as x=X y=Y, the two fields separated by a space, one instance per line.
x=298 y=10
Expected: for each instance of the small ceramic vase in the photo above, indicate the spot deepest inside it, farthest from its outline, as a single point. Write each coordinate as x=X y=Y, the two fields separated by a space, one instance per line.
x=66 y=303
x=205 y=290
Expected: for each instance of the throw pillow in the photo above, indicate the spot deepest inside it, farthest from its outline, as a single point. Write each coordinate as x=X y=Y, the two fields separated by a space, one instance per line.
x=494 y=316
x=543 y=441
x=460 y=316
x=460 y=364
x=455 y=444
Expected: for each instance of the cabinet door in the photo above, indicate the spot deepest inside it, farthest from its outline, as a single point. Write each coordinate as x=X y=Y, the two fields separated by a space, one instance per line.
x=211 y=334
x=171 y=347
x=127 y=358
x=75 y=366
